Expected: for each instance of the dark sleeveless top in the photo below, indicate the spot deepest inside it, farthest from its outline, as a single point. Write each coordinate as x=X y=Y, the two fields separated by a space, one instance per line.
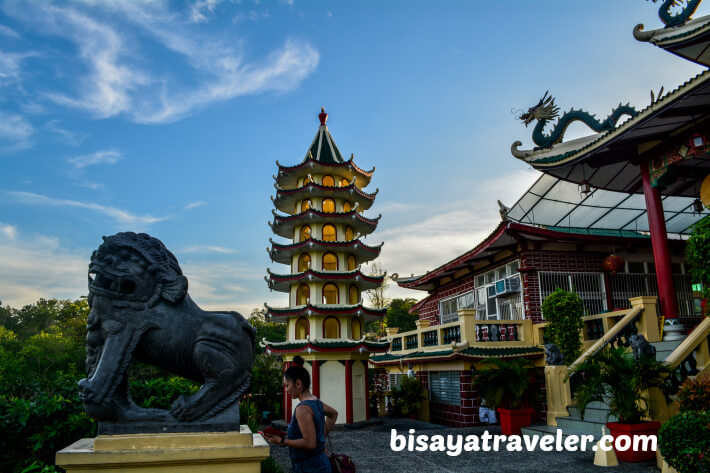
x=309 y=460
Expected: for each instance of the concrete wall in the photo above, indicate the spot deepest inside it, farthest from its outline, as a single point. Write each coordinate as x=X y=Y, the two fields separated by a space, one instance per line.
x=332 y=387
x=359 y=396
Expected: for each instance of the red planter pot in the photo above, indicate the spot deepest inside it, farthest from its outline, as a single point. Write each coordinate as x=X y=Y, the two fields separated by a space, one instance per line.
x=644 y=428
x=512 y=420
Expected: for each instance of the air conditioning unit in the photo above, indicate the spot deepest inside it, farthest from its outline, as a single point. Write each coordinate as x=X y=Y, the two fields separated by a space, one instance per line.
x=507 y=286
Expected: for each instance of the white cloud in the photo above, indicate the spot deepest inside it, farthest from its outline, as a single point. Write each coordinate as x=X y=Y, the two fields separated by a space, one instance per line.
x=35 y=266
x=208 y=249
x=99 y=157
x=9 y=231
x=69 y=137
x=201 y=8
x=193 y=205
x=120 y=216
x=251 y=15
x=16 y=131
x=9 y=32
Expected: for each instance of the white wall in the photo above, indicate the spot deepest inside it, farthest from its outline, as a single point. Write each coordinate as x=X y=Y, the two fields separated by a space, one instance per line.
x=332 y=387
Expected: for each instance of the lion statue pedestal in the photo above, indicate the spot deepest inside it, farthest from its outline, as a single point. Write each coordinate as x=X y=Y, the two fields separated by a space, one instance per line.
x=213 y=452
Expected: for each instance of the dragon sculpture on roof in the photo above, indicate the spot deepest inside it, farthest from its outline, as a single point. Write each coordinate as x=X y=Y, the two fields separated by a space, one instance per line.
x=668 y=19
x=545 y=110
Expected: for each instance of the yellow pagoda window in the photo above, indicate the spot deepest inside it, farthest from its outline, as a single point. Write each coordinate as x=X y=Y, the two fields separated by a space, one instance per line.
x=302 y=329
x=307 y=180
x=352 y=263
x=346 y=206
x=349 y=234
x=330 y=262
x=328 y=233
x=305 y=205
x=356 y=329
x=331 y=328
x=328 y=181
x=304 y=262
x=305 y=233
x=353 y=295
x=303 y=295
x=330 y=294
x=328 y=206
x=344 y=183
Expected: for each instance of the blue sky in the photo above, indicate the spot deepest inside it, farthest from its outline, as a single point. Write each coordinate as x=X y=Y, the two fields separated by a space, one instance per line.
x=168 y=117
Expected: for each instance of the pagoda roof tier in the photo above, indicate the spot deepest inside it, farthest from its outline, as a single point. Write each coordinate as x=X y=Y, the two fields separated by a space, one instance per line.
x=452 y=354
x=288 y=176
x=286 y=199
x=284 y=253
x=325 y=345
x=688 y=40
x=283 y=282
x=369 y=313
x=284 y=225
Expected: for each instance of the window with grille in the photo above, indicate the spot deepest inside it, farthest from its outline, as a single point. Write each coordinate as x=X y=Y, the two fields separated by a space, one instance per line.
x=448 y=308
x=395 y=380
x=588 y=286
x=445 y=387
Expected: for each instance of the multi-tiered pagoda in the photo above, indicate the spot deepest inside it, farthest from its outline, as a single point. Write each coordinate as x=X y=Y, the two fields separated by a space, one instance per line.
x=319 y=208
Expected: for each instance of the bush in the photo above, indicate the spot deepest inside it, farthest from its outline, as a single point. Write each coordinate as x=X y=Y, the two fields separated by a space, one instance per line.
x=503 y=383
x=684 y=441
x=694 y=394
x=160 y=393
x=407 y=398
x=249 y=414
x=563 y=312
x=697 y=253
x=267 y=384
x=270 y=466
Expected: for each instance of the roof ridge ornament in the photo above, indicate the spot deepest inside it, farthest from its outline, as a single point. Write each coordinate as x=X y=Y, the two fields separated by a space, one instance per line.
x=545 y=110
x=668 y=19
x=322 y=116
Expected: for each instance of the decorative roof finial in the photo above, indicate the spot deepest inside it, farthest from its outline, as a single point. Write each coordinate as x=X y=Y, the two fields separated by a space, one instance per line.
x=322 y=116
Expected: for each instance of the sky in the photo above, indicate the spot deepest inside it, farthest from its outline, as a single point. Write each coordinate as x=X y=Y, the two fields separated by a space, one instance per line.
x=169 y=117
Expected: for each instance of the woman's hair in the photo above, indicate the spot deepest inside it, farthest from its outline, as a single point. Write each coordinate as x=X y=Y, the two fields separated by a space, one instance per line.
x=298 y=372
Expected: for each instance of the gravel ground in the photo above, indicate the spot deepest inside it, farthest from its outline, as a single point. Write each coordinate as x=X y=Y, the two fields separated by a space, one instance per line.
x=369 y=447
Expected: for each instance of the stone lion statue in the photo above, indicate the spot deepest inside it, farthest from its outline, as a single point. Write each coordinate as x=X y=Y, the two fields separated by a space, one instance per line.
x=553 y=355
x=140 y=309
x=641 y=348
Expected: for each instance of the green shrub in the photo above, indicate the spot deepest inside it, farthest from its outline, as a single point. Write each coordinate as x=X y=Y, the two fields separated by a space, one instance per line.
x=249 y=414
x=160 y=393
x=697 y=253
x=563 y=312
x=503 y=383
x=267 y=384
x=694 y=394
x=684 y=441
x=407 y=398
x=270 y=466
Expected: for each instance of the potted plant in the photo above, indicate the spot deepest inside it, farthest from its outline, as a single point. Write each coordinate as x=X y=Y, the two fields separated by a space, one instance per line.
x=615 y=377
x=504 y=385
x=407 y=398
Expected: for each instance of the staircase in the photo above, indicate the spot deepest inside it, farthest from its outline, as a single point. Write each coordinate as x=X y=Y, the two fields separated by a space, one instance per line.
x=595 y=415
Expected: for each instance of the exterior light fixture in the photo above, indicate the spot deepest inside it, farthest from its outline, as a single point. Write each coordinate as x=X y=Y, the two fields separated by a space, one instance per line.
x=697 y=207
x=698 y=141
x=584 y=188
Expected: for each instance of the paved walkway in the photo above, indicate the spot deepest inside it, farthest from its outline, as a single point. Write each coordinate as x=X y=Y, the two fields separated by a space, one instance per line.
x=369 y=448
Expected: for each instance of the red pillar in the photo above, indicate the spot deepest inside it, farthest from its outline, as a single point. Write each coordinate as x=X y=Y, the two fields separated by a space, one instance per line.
x=315 y=378
x=659 y=242
x=367 y=390
x=349 y=391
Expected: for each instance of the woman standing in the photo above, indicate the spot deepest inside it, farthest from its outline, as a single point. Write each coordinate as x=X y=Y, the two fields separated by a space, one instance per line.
x=311 y=423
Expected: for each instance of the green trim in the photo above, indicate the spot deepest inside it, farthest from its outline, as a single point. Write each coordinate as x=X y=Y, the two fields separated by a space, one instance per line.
x=475 y=352
x=338 y=344
x=599 y=232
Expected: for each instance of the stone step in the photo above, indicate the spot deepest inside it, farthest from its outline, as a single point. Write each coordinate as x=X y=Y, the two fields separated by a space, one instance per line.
x=662 y=355
x=591 y=414
x=580 y=426
x=666 y=345
x=539 y=430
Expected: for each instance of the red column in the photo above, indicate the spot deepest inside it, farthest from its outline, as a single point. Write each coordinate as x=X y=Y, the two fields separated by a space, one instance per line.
x=315 y=378
x=287 y=404
x=367 y=390
x=349 y=391
x=659 y=242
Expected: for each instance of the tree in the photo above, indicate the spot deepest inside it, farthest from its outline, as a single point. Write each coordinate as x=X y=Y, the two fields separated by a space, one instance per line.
x=377 y=298
x=398 y=315
x=272 y=331
x=697 y=253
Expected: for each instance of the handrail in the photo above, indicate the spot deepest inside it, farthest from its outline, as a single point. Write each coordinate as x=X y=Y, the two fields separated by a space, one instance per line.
x=692 y=356
x=613 y=333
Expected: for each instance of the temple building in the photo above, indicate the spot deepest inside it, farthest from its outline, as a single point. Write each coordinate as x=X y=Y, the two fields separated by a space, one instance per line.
x=319 y=209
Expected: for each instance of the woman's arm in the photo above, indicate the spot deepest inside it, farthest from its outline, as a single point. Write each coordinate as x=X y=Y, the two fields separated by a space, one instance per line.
x=331 y=415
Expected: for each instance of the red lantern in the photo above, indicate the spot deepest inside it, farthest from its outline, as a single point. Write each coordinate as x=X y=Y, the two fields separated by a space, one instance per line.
x=613 y=263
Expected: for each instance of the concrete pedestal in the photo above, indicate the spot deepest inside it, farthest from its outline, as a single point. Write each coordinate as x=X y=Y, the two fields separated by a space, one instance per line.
x=674 y=331
x=213 y=452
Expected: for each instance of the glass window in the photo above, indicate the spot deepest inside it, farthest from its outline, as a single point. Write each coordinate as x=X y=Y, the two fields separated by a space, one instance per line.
x=331 y=328
x=500 y=273
x=353 y=295
x=445 y=387
x=490 y=277
x=636 y=267
x=346 y=206
x=304 y=262
x=330 y=294
x=302 y=328
x=349 y=234
x=305 y=205
x=328 y=233
x=356 y=329
x=307 y=180
x=352 y=263
x=328 y=181
x=303 y=294
x=330 y=262
x=328 y=206
x=344 y=183
x=305 y=233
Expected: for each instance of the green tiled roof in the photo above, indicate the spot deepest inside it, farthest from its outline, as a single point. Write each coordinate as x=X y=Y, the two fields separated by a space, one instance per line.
x=323 y=344
x=477 y=352
x=599 y=231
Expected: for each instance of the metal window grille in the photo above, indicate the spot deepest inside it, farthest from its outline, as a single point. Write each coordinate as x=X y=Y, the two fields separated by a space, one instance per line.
x=588 y=286
x=395 y=380
x=396 y=344
x=626 y=285
x=411 y=342
x=445 y=387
